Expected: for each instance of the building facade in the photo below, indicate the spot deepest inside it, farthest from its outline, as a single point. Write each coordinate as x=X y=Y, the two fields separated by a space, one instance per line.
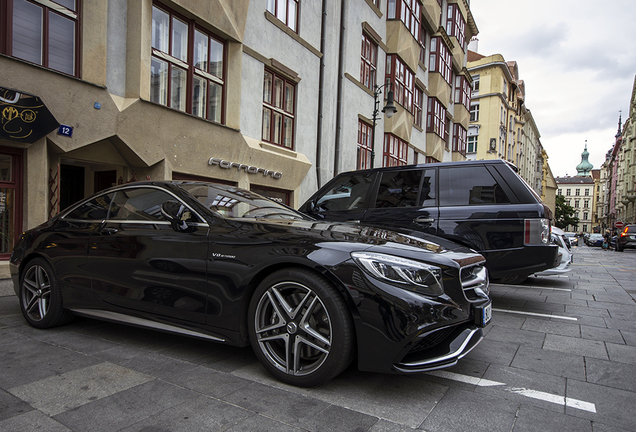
x=578 y=192
x=275 y=96
x=501 y=126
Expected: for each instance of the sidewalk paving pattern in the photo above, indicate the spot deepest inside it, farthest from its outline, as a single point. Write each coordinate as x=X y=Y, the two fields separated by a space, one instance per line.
x=559 y=355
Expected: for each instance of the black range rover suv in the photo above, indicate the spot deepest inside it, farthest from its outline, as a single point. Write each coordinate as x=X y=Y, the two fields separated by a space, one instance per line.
x=484 y=205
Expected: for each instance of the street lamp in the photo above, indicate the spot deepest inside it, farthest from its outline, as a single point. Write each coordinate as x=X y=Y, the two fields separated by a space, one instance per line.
x=388 y=110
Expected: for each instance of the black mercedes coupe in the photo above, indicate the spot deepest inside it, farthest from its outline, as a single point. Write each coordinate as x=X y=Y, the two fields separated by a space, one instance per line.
x=225 y=264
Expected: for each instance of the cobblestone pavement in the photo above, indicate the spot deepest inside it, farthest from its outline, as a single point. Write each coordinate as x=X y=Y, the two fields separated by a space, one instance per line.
x=559 y=355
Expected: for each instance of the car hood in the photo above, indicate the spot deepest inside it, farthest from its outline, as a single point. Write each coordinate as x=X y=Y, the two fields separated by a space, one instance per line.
x=356 y=233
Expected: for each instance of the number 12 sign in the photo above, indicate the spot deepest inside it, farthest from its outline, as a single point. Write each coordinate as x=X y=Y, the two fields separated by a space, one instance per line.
x=65 y=131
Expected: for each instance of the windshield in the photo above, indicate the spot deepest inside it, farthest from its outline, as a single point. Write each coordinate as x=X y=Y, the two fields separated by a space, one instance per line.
x=234 y=203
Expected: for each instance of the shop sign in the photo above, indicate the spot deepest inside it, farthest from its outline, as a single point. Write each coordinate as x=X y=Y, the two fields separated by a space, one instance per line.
x=247 y=168
x=24 y=117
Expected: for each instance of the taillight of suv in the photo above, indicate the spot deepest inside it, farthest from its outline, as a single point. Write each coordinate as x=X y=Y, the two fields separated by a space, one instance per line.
x=536 y=231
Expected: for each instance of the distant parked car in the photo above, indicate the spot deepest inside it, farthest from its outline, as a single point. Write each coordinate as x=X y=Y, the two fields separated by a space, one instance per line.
x=595 y=240
x=626 y=239
x=558 y=238
x=572 y=238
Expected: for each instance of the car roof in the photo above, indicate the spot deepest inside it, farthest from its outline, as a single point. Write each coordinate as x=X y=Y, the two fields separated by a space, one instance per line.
x=443 y=164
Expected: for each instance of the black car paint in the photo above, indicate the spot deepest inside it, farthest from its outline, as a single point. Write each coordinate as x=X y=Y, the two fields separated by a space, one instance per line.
x=130 y=269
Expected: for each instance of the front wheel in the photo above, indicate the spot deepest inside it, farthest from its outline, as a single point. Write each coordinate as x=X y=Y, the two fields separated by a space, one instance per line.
x=300 y=328
x=40 y=297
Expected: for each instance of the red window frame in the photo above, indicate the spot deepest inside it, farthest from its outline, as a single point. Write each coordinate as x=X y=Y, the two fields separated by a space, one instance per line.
x=418 y=98
x=460 y=136
x=287 y=11
x=60 y=12
x=436 y=117
x=278 y=106
x=403 y=79
x=206 y=74
x=369 y=62
x=462 y=91
x=365 y=146
x=15 y=184
x=456 y=24
x=395 y=151
x=440 y=58
x=407 y=11
x=422 y=42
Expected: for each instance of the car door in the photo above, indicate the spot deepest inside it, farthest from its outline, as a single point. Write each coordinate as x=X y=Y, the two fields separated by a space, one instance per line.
x=138 y=261
x=405 y=199
x=344 y=199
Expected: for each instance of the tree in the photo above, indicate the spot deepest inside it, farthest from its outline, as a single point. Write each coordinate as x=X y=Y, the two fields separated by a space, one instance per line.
x=564 y=214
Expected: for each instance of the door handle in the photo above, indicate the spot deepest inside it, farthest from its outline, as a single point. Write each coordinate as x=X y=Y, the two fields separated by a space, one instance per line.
x=424 y=220
x=108 y=231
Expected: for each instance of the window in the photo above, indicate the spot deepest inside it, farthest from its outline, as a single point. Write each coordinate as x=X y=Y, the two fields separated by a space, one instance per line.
x=459 y=138
x=567 y=192
x=587 y=192
x=436 y=117
x=576 y=204
x=140 y=204
x=469 y=186
x=586 y=204
x=403 y=81
x=395 y=151
x=431 y=159
x=279 y=99
x=407 y=11
x=474 y=112
x=194 y=85
x=417 y=106
x=462 y=91
x=422 y=42
x=10 y=198
x=440 y=58
x=369 y=62
x=365 y=146
x=585 y=215
x=348 y=193
x=399 y=188
x=475 y=91
x=456 y=24
x=577 y=192
x=286 y=11
x=42 y=32
x=472 y=144
x=559 y=191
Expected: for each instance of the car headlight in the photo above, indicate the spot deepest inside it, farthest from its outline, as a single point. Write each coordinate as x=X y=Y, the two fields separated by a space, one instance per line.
x=417 y=276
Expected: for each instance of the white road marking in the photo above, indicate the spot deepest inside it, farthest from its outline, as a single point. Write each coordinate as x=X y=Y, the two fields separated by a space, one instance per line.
x=535 y=314
x=534 y=394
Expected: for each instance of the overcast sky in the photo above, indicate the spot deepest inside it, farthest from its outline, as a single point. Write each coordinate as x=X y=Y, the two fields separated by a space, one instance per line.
x=578 y=61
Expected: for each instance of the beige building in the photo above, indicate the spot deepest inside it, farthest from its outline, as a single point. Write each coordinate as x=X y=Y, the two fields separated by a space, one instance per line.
x=275 y=96
x=501 y=126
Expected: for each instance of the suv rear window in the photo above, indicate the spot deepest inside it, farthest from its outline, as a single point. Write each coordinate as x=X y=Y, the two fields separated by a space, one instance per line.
x=474 y=185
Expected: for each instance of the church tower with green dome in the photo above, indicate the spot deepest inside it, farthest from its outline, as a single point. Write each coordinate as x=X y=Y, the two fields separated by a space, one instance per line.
x=584 y=169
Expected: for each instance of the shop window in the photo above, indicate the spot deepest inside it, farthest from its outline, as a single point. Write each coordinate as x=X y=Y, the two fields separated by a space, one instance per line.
x=10 y=199
x=286 y=11
x=279 y=195
x=279 y=100
x=194 y=84
x=42 y=32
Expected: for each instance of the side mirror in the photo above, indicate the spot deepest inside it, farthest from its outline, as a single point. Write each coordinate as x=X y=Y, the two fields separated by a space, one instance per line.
x=174 y=212
x=311 y=207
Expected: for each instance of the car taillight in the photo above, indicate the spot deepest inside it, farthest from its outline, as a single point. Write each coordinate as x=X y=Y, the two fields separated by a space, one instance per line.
x=624 y=233
x=536 y=231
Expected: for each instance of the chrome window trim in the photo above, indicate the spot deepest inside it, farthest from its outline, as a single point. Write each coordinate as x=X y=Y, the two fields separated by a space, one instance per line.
x=71 y=209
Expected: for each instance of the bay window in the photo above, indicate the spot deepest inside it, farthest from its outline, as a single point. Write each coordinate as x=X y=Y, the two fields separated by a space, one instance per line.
x=462 y=91
x=407 y=11
x=436 y=118
x=456 y=24
x=459 y=139
x=403 y=81
x=395 y=151
x=365 y=146
x=193 y=83
x=440 y=58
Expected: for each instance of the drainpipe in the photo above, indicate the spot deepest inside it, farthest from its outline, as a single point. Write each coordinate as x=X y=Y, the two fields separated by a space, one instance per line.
x=336 y=157
x=321 y=83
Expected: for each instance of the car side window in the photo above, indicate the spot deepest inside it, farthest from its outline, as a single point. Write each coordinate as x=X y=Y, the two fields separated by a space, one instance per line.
x=140 y=204
x=474 y=185
x=427 y=194
x=348 y=193
x=399 y=188
x=94 y=209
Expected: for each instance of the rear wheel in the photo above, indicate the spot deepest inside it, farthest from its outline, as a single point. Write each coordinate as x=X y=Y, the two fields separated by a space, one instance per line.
x=300 y=328
x=40 y=297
